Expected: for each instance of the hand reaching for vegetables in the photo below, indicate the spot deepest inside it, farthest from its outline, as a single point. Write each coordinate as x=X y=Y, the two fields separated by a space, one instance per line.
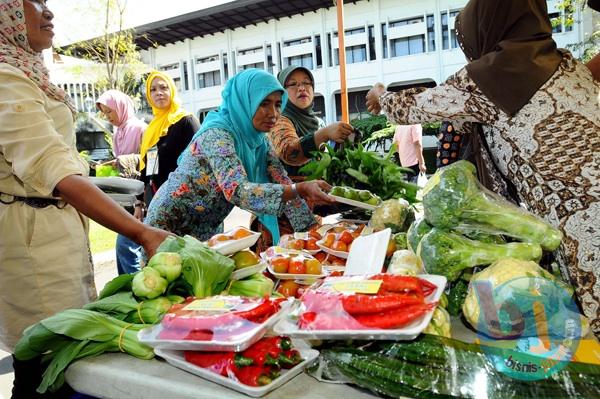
x=338 y=132
x=372 y=98
x=150 y=238
x=315 y=191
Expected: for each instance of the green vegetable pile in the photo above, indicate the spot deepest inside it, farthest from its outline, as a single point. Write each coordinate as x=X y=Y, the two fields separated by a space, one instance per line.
x=464 y=225
x=352 y=166
x=356 y=195
x=127 y=304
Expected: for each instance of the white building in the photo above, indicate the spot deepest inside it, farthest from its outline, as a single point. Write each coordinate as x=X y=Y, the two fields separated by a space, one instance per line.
x=398 y=42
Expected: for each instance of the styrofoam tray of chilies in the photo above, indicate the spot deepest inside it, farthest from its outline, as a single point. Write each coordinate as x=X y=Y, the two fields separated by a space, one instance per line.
x=177 y=359
x=288 y=326
x=220 y=341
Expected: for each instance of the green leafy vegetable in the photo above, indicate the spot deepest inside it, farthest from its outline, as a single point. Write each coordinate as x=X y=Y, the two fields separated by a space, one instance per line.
x=168 y=264
x=148 y=283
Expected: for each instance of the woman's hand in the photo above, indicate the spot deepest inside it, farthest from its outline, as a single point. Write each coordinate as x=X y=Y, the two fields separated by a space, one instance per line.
x=315 y=191
x=138 y=213
x=150 y=238
x=339 y=131
x=373 y=98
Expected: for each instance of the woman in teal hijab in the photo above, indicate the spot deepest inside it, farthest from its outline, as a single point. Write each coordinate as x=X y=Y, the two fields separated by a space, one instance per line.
x=230 y=162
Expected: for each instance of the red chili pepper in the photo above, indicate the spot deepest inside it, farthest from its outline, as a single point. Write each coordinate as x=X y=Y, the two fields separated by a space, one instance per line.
x=267 y=350
x=290 y=358
x=365 y=303
x=395 y=283
x=254 y=376
x=256 y=315
x=394 y=318
x=428 y=287
x=222 y=363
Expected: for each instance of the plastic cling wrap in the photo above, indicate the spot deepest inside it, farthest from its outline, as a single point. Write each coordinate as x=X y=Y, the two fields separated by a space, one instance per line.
x=454 y=199
x=437 y=367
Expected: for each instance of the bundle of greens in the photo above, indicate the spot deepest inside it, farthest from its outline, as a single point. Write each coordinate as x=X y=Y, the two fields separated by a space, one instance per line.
x=205 y=271
x=75 y=334
x=350 y=165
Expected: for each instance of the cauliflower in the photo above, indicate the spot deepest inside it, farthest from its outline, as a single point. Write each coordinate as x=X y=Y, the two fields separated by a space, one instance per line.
x=504 y=271
x=439 y=324
x=391 y=213
x=405 y=262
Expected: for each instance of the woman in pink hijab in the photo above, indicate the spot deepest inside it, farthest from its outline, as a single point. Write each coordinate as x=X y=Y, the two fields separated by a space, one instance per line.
x=118 y=109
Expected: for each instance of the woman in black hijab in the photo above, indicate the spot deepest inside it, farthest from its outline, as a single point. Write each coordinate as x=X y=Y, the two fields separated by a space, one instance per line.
x=540 y=126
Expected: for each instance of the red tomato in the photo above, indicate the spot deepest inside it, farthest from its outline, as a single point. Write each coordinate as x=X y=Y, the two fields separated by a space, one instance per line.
x=297 y=266
x=320 y=256
x=346 y=237
x=296 y=244
x=280 y=264
x=313 y=233
x=288 y=288
x=311 y=244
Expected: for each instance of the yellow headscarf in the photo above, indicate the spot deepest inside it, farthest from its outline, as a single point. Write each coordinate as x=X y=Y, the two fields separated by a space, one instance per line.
x=163 y=118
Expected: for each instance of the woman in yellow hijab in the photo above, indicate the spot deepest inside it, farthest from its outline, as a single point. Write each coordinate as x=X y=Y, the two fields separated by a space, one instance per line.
x=168 y=134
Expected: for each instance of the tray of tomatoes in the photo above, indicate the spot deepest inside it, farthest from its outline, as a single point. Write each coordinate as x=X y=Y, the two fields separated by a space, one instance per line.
x=287 y=264
x=234 y=240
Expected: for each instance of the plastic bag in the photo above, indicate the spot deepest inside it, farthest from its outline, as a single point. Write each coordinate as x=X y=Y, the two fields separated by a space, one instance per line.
x=422 y=180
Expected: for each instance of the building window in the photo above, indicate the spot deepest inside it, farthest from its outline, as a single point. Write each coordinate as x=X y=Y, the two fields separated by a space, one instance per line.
x=270 y=63
x=330 y=49
x=225 y=67
x=209 y=79
x=301 y=60
x=186 y=81
x=250 y=51
x=354 y=54
x=384 y=40
x=204 y=60
x=408 y=45
x=295 y=42
x=169 y=67
x=177 y=82
x=409 y=21
x=430 y=33
x=257 y=65
x=318 y=51
x=372 y=50
x=448 y=35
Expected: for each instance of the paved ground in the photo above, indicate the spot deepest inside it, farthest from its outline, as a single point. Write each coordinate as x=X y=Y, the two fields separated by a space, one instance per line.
x=105 y=269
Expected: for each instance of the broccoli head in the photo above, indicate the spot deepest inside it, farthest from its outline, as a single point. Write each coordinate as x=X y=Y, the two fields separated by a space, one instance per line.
x=416 y=231
x=448 y=254
x=453 y=198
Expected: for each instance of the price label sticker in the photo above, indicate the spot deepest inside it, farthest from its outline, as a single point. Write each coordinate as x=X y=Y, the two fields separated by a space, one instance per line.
x=152 y=161
x=357 y=286
x=301 y=235
x=214 y=304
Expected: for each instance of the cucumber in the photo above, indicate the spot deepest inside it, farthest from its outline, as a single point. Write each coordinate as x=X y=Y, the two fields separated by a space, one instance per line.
x=434 y=366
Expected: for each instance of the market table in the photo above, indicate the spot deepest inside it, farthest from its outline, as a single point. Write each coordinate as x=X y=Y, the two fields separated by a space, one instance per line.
x=119 y=376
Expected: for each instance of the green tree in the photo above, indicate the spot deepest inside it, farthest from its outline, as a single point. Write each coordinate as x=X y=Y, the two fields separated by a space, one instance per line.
x=114 y=51
x=591 y=45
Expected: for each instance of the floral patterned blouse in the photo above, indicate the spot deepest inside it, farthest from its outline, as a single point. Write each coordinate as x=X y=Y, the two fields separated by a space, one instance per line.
x=210 y=180
x=548 y=151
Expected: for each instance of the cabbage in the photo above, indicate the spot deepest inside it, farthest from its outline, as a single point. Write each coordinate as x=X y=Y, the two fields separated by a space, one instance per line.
x=405 y=262
x=391 y=213
x=257 y=285
x=168 y=264
x=148 y=283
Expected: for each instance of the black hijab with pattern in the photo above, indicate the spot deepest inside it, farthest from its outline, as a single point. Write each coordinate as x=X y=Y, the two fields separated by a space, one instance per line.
x=510 y=49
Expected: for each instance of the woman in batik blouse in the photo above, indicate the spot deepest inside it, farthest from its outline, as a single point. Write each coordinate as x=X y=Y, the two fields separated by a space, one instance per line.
x=538 y=111
x=230 y=162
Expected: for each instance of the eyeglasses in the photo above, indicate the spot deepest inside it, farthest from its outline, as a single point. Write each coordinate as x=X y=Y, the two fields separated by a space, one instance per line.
x=296 y=85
